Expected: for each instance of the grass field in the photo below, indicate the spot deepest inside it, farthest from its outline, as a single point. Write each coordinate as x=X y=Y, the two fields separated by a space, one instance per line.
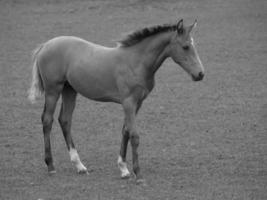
x=199 y=141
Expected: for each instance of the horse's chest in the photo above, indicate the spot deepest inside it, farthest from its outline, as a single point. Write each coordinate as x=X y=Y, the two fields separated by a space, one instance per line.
x=129 y=79
x=146 y=85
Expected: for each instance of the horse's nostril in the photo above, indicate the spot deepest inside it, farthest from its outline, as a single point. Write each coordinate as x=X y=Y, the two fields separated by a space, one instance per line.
x=200 y=75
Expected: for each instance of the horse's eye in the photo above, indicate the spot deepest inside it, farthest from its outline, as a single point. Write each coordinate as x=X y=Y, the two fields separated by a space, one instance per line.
x=186 y=47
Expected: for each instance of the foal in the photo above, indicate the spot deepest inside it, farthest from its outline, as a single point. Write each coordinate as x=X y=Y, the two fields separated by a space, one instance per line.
x=124 y=74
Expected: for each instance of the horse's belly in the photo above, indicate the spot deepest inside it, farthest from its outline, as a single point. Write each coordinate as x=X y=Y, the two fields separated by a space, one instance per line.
x=94 y=85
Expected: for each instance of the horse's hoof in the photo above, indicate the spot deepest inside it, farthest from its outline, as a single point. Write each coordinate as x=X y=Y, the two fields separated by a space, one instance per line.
x=83 y=171
x=126 y=175
x=141 y=182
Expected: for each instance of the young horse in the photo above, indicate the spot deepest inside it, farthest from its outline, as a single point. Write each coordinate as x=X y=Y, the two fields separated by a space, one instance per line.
x=124 y=74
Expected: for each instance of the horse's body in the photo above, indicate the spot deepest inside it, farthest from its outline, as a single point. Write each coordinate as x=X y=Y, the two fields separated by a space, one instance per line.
x=86 y=65
x=124 y=74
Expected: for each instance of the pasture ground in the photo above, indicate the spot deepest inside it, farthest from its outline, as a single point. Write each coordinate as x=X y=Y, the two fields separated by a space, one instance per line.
x=199 y=141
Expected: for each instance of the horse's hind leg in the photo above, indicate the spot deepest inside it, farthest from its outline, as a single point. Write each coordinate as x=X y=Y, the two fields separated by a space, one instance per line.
x=47 y=120
x=65 y=116
x=123 y=151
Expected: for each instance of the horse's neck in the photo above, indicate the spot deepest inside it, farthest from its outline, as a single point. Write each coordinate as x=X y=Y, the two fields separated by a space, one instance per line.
x=153 y=52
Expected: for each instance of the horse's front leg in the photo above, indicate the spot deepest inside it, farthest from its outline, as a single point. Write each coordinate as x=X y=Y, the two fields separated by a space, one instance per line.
x=131 y=106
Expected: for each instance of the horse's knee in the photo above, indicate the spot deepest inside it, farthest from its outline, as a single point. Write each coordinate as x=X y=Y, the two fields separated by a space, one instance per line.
x=125 y=132
x=47 y=121
x=63 y=122
x=134 y=138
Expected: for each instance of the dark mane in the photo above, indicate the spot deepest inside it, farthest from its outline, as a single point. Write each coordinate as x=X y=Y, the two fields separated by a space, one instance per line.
x=137 y=36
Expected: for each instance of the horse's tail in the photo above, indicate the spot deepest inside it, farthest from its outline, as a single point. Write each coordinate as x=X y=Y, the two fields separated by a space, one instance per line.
x=37 y=87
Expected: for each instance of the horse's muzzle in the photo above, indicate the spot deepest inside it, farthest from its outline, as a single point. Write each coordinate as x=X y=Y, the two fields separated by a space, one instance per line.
x=199 y=77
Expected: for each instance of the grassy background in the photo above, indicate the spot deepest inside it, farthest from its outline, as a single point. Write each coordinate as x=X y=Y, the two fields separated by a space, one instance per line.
x=203 y=140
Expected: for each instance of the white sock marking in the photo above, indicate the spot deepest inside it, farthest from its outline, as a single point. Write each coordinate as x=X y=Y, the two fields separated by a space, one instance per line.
x=74 y=157
x=123 y=168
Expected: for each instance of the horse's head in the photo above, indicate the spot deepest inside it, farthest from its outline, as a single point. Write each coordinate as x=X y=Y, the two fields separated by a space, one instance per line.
x=184 y=53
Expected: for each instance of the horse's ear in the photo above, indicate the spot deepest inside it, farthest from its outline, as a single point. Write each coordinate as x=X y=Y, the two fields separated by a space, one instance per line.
x=180 y=27
x=192 y=26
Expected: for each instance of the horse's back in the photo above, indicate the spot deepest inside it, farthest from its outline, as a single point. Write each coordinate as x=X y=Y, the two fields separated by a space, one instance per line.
x=60 y=53
x=67 y=47
x=68 y=50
